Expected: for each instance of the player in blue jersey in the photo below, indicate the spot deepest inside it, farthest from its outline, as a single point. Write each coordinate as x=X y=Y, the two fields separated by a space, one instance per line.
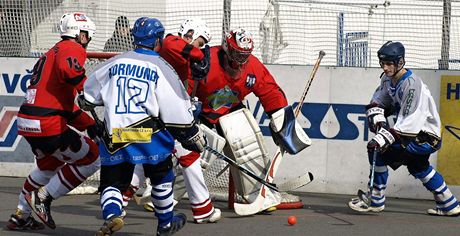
x=146 y=108
x=413 y=138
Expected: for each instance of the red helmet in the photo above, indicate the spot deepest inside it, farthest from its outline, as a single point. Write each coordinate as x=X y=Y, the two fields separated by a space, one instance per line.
x=238 y=45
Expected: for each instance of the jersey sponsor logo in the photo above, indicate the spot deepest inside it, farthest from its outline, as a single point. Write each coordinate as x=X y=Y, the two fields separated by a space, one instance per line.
x=9 y=138
x=250 y=80
x=324 y=120
x=223 y=97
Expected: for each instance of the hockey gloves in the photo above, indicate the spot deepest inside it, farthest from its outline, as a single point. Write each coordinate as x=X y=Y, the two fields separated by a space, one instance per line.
x=94 y=131
x=195 y=140
x=200 y=69
x=83 y=104
x=381 y=141
x=375 y=117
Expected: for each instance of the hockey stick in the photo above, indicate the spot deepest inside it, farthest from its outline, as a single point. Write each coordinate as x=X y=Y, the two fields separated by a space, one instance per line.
x=276 y=160
x=366 y=197
x=296 y=183
x=241 y=168
x=257 y=205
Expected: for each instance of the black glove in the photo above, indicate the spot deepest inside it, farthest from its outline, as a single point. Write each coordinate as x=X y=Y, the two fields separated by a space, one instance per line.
x=381 y=141
x=94 y=131
x=83 y=104
x=376 y=118
x=195 y=141
x=200 y=69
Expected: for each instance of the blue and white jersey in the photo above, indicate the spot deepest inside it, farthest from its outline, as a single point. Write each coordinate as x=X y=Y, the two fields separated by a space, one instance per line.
x=415 y=107
x=132 y=87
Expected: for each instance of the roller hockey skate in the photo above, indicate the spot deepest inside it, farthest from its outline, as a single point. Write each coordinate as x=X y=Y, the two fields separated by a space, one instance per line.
x=359 y=205
x=438 y=212
x=213 y=218
x=41 y=206
x=19 y=221
x=110 y=226
x=177 y=223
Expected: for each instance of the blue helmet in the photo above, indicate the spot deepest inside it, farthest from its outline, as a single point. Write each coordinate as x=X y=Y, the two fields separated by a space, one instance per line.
x=146 y=31
x=391 y=51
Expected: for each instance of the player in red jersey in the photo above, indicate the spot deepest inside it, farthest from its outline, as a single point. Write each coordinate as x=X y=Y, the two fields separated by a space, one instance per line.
x=64 y=157
x=235 y=73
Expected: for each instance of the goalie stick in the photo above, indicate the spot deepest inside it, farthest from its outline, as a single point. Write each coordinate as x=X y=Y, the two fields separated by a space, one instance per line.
x=366 y=197
x=241 y=168
x=257 y=205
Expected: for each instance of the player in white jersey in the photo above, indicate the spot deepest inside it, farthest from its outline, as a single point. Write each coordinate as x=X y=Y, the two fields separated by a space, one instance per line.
x=413 y=138
x=146 y=108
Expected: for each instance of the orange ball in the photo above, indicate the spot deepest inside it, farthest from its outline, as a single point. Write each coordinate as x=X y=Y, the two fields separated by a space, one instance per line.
x=292 y=220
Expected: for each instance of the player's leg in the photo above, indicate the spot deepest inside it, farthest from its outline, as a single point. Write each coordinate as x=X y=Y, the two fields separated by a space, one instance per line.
x=114 y=180
x=379 y=187
x=81 y=157
x=138 y=178
x=446 y=203
x=22 y=219
x=162 y=178
x=198 y=193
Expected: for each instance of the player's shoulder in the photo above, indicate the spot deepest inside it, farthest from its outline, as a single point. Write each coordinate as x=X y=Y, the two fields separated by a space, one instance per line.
x=67 y=48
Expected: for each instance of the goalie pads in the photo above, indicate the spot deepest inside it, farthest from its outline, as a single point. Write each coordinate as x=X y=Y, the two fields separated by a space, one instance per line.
x=245 y=145
x=215 y=141
x=287 y=132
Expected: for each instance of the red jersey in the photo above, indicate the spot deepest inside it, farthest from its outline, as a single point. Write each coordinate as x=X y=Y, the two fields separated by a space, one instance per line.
x=177 y=52
x=220 y=92
x=49 y=103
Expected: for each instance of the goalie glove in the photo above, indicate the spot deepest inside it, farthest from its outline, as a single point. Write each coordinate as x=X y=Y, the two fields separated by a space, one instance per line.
x=381 y=141
x=200 y=69
x=376 y=117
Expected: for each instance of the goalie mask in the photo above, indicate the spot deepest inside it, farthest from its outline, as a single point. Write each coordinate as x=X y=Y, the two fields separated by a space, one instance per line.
x=72 y=23
x=195 y=28
x=238 y=45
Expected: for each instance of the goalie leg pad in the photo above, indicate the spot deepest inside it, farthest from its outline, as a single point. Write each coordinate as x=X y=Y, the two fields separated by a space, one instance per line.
x=246 y=147
x=287 y=132
x=215 y=141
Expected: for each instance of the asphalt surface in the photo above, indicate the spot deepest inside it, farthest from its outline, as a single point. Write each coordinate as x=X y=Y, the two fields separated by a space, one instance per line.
x=321 y=215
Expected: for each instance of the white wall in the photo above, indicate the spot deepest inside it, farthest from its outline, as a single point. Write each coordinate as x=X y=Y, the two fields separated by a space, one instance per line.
x=338 y=165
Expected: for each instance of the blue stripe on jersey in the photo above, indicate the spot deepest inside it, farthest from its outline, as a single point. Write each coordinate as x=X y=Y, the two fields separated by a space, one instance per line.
x=156 y=151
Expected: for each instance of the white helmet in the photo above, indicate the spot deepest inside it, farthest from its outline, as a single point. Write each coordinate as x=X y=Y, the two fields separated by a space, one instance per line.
x=72 y=23
x=199 y=28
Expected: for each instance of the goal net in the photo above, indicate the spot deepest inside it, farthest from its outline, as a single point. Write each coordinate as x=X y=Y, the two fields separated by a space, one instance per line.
x=285 y=31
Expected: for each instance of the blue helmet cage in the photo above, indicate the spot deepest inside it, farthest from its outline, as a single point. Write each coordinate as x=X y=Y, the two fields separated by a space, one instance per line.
x=392 y=51
x=146 y=31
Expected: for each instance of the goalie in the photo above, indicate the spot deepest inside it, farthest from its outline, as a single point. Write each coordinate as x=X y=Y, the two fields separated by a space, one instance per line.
x=234 y=73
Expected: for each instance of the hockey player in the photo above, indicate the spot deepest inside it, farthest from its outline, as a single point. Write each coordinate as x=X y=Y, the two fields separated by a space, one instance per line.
x=146 y=107
x=184 y=54
x=413 y=138
x=234 y=73
x=64 y=157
